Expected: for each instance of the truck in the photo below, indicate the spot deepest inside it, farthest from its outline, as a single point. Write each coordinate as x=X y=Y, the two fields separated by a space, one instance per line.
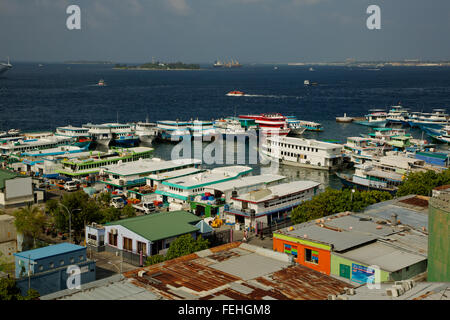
x=118 y=202
x=145 y=207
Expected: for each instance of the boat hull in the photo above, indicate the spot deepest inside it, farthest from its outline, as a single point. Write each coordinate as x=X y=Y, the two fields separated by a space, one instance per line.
x=353 y=185
x=132 y=142
x=380 y=124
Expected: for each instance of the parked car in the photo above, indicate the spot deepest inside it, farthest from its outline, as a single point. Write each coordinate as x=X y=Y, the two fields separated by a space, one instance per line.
x=118 y=202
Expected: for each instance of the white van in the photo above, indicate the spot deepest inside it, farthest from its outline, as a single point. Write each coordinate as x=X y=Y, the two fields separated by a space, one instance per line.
x=73 y=185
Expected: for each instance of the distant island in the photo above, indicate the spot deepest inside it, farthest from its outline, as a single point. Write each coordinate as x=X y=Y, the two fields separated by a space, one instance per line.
x=88 y=62
x=159 y=66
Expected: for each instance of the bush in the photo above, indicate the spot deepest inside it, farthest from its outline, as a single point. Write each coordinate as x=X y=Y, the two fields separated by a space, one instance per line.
x=333 y=201
x=422 y=183
x=157 y=258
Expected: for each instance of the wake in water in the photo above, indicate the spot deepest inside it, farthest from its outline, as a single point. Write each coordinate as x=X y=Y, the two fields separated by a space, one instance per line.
x=270 y=96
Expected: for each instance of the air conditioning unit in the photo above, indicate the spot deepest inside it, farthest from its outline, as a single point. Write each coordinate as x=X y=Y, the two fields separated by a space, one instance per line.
x=392 y=292
x=141 y=273
x=350 y=291
x=114 y=231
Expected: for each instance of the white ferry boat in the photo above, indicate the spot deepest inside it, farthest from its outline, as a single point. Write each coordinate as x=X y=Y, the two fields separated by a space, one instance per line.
x=436 y=119
x=173 y=130
x=295 y=125
x=398 y=114
x=229 y=126
x=119 y=134
x=14 y=147
x=301 y=152
x=202 y=129
x=147 y=131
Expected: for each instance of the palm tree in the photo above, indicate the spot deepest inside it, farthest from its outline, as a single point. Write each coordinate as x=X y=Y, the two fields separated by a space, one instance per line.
x=29 y=221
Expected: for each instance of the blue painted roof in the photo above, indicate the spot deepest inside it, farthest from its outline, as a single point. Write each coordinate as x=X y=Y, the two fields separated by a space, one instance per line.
x=49 y=251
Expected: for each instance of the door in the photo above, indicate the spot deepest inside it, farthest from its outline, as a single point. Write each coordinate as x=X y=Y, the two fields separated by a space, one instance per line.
x=344 y=271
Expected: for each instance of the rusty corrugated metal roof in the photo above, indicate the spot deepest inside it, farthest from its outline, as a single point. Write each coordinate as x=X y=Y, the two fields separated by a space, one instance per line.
x=193 y=277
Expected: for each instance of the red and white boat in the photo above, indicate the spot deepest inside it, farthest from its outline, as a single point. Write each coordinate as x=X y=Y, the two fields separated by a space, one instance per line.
x=235 y=94
x=271 y=124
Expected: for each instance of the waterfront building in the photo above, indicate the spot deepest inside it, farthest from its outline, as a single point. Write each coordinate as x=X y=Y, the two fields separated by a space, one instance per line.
x=217 y=196
x=302 y=152
x=128 y=175
x=90 y=165
x=180 y=191
x=269 y=204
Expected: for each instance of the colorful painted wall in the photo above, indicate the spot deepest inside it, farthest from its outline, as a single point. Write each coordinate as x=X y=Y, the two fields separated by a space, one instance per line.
x=318 y=253
x=353 y=270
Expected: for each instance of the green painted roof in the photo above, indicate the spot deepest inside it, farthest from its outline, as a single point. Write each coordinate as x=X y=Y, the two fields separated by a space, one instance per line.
x=163 y=225
x=6 y=175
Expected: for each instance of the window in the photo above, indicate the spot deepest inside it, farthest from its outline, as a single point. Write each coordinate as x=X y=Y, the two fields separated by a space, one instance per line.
x=127 y=244
x=141 y=246
x=61 y=263
x=72 y=259
x=311 y=256
x=81 y=258
x=51 y=265
x=112 y=239
x=41 y=268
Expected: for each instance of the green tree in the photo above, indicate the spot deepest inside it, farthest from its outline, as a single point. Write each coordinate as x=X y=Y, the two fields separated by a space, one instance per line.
x=422 y=183
x=10 y=291
x=110 y=214
x=30 y=221
x=129 y=211
x=333 y=201
x=104 y=198
x=186 y=244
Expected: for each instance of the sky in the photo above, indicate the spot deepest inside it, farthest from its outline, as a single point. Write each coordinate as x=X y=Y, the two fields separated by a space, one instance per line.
x=200 y=31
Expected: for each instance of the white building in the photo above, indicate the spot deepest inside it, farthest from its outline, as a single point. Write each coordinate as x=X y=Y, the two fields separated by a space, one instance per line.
x=183 y=189
x=132 y=174
x=242 y=185
x=150 y=234
x=270 y=203
x=15 y=189
x=304 y=152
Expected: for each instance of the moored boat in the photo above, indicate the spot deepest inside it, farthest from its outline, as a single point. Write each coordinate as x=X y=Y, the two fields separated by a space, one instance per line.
x=376 y=118
x=344 y=119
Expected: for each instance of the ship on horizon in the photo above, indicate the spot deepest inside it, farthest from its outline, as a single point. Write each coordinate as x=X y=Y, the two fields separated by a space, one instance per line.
x=5 y=67
x=231 y=64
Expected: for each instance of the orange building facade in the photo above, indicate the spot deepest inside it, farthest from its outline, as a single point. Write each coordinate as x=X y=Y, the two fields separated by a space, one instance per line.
x=311 y=254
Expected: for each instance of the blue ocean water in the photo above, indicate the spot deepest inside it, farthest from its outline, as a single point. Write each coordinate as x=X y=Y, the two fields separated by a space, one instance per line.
x=41 y=98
